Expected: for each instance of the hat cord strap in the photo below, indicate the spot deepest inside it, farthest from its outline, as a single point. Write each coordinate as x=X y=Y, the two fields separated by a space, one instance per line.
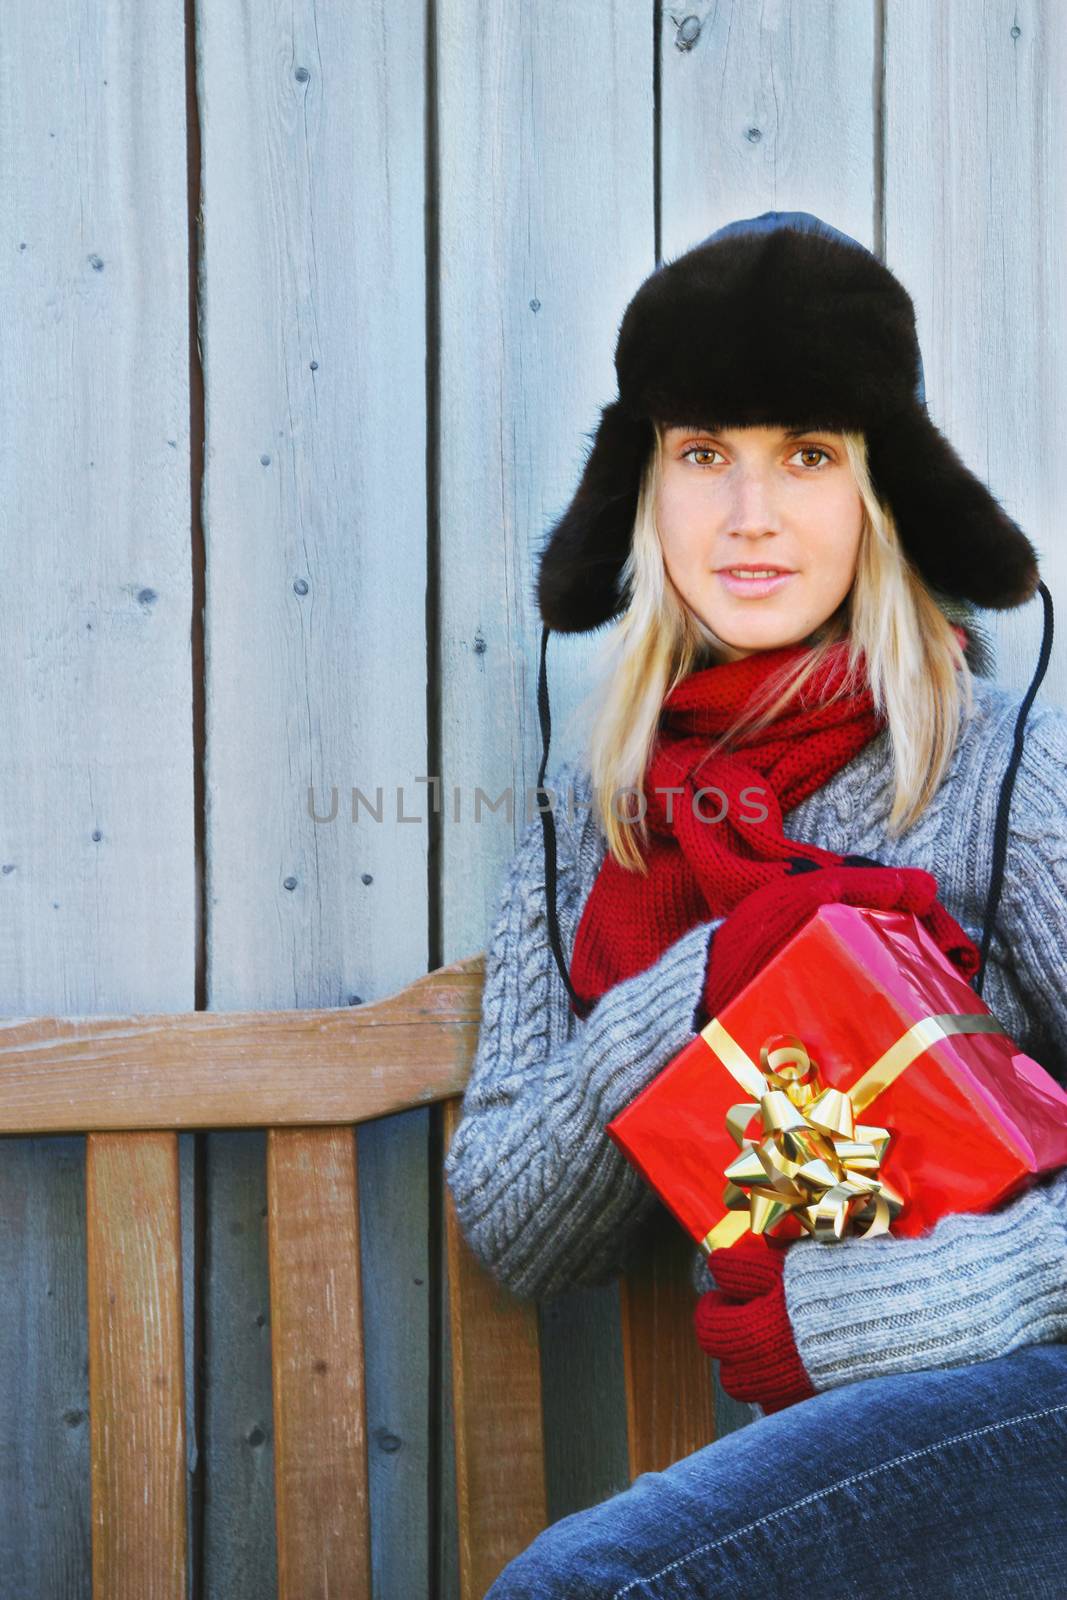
x=1000 y=825
x=548 y=828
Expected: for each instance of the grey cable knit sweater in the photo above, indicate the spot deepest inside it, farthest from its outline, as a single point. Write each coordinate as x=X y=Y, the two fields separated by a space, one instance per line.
x=547 y=1200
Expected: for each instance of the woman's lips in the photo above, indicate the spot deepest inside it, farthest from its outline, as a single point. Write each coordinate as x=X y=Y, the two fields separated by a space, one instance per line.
x=753 y=588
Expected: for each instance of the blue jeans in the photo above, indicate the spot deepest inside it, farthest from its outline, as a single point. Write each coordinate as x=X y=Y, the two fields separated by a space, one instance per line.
x=945 y=1482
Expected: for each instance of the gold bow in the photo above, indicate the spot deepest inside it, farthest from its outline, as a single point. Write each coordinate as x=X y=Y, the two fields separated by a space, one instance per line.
x=814 y=1159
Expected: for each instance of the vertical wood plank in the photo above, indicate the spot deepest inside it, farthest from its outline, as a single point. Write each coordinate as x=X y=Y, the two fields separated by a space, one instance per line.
x=584 y=1380
x=670 y=1390
x=394 y=1178
x=974 y=226
x=238 y=1406
x=767 y=108
x=97 y=860
x=546 y=226
x=190 y=1146
x=136 y=1367
x=320 y=1429
x=313 y=333
x=44 y=1355
x=497 y=1410
x=446 y=1571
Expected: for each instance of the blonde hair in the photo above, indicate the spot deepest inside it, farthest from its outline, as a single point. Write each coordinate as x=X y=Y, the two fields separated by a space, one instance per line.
x=916 y=669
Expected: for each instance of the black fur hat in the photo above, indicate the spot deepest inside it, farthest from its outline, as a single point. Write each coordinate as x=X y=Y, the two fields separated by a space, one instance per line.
x=779 y=320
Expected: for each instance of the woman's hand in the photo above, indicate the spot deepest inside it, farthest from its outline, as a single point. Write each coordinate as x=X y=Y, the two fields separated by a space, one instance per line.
x=764 y=921
x=745 y=1324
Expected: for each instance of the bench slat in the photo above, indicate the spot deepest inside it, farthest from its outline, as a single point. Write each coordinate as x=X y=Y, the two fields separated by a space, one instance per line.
x=136 y=1367
x=501 y=1500
x=320 y=1433
x=243 y=1069
x=670 y=1387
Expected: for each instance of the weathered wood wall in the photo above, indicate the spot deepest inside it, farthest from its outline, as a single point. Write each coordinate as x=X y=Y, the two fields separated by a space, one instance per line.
x=306 y=318
x=98 y=817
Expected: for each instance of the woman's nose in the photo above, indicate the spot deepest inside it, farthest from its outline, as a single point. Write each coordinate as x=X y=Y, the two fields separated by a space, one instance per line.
x=751 y=505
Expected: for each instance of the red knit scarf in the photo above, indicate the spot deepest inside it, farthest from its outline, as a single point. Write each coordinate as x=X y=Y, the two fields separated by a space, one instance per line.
x=722 y=852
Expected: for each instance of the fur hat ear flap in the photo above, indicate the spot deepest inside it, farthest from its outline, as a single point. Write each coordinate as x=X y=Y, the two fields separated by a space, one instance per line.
x=581 y=562
x=952 y=527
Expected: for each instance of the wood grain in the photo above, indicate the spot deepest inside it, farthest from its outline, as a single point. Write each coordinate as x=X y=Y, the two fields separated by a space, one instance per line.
x=974 y=228
x=207 y=1069
x=317 y=1346
x=670 y=1390
x=136 y=1367
x=501 y=1502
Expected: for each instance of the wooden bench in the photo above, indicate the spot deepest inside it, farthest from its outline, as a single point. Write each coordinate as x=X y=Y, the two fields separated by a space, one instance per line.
x=130 y=1084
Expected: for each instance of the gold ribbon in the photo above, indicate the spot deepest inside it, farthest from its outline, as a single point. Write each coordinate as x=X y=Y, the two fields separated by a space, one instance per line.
x=814 y=1160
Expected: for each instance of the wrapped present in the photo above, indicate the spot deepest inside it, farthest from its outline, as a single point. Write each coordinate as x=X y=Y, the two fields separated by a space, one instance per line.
x=856 y=1085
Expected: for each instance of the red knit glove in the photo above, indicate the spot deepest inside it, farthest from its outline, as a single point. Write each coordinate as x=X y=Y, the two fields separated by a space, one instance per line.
x=767 y=919
x=745 y=1324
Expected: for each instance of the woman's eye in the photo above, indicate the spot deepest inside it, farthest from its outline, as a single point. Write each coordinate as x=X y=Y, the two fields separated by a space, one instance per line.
x=699 y=450
x=813 y=450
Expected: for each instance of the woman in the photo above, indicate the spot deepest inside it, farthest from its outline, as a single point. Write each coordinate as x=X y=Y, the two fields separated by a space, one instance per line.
x=911 y=1394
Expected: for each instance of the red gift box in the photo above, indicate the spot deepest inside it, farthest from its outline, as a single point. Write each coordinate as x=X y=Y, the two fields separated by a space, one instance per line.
x=886 y=1017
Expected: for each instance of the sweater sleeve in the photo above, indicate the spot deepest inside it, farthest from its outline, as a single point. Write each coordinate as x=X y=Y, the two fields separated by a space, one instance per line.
x=976 y=1285
x=543 y=1195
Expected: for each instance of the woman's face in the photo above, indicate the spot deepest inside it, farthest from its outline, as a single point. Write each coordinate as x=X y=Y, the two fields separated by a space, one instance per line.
x=759 y=498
